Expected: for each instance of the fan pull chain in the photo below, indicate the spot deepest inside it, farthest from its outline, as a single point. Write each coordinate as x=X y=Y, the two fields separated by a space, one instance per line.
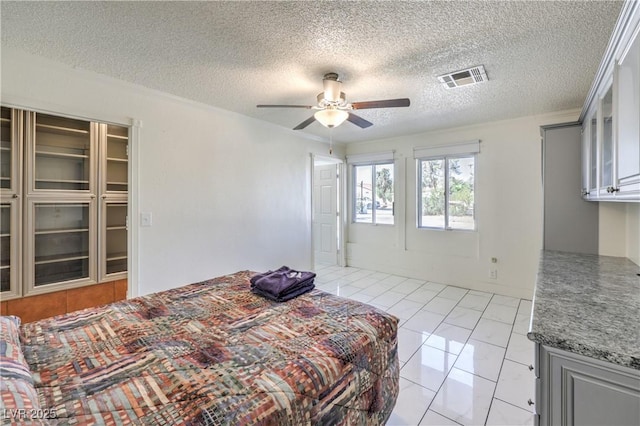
x=330 y=141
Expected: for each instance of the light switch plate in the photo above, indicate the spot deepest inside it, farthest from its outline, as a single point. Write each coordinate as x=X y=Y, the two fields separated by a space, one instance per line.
x=145 y=219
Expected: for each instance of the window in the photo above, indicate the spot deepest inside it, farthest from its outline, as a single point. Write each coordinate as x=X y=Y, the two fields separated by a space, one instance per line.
x=446 y=192
x=373 y=193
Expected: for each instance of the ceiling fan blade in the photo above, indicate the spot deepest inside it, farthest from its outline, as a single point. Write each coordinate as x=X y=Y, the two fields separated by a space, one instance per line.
x=284 y=106
x=359 y=121
x=387 y=103
x=305 y=123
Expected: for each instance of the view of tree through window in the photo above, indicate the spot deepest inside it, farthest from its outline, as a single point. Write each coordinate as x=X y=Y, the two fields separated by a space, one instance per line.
x=433 y=193
x=447 y=193
x=373 y=193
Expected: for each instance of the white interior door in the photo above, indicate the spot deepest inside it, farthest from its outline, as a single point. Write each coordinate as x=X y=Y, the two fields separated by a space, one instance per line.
x=325 y=213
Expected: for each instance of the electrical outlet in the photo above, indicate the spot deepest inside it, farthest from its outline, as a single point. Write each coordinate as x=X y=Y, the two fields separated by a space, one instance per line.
x=493 y=274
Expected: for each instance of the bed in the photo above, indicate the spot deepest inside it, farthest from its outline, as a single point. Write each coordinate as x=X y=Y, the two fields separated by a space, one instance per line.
x=209 y=353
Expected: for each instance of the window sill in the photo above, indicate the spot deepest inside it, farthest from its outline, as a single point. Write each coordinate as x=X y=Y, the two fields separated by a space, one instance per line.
x=374 y=224
x=426 y=228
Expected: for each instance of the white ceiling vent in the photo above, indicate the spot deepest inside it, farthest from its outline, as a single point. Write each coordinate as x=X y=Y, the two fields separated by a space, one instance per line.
x=464 y=77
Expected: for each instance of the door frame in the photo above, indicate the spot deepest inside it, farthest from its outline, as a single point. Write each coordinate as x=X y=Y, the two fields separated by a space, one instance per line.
x=341 y=186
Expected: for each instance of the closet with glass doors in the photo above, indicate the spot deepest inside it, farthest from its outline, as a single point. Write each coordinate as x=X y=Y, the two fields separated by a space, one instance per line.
x=64 y=203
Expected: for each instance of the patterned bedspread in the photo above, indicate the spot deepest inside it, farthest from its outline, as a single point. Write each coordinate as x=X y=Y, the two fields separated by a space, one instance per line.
x=213 y=353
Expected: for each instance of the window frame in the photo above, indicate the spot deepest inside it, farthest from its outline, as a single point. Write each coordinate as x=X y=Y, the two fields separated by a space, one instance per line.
x=354 y=189
x=419 y=205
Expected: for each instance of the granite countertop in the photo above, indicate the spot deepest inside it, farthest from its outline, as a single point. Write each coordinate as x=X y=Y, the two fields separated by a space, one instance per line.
x=589 y=305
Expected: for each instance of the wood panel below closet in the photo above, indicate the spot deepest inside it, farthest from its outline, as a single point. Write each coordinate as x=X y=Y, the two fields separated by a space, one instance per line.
x=33 y=308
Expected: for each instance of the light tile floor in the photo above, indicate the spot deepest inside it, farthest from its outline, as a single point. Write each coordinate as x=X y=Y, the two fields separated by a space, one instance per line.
x=464 y=355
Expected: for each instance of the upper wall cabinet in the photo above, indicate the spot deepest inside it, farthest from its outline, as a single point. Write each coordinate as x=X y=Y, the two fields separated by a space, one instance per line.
x=611 y=117
x=628 y=109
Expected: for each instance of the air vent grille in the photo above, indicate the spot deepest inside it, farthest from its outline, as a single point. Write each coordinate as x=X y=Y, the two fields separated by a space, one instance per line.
x=464 y=77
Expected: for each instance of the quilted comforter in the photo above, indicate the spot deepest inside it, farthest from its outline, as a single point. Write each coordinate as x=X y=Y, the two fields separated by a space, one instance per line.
x=213 y=353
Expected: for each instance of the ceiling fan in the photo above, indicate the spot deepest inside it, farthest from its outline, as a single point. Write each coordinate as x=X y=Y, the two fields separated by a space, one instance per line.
x=333 y=108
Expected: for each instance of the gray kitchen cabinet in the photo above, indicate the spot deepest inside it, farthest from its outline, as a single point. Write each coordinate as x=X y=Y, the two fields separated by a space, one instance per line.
x=577 y=390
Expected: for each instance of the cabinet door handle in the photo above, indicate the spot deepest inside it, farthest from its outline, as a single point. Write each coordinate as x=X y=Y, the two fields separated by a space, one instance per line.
x=16 y=196
x=530 y=402
x=530 y=367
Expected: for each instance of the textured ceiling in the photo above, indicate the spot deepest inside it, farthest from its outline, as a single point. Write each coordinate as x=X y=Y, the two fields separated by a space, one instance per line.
x=539 y=56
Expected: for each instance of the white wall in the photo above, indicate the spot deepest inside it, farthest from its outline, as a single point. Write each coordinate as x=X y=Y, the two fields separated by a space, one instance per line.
x=226 y=192
x=633 y=232
x=619 y=230
x=612 y=235
x=508 y=212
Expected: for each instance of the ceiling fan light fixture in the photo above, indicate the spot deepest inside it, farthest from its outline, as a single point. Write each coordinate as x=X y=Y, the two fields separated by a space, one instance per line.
x=333 y=106
x=331 y=87
x=331 y=117
x=323 y=102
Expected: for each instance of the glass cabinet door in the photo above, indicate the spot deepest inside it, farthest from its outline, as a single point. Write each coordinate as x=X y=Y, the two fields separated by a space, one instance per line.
x=593 y=165
x=114 y=177
x=62 y=240
x=628 y=115
x=10 y=245
x=5 y=247
x=607 y=140
x=6 y=149
x=115 y=240
x=62 y=154
x=10 y=202
x=11 y=133
x=586 y=160
x=6 y=213
x=117 y=158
